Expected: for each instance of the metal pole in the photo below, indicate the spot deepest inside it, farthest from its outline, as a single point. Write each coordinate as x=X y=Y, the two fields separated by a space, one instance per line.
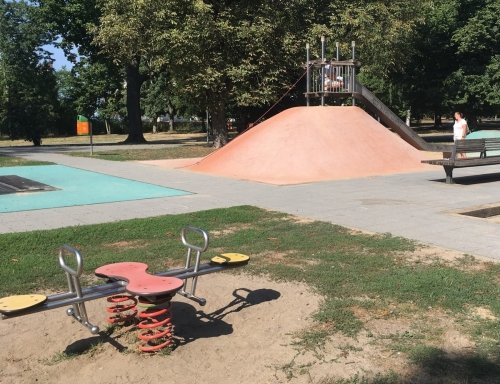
x=337 y=46
x=91 y=139
x=207 y=116
x=322 y=70
x=353 y=44
x=308 y=70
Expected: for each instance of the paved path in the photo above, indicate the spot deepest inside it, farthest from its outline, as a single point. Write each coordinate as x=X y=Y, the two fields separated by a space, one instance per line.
x=417 y=206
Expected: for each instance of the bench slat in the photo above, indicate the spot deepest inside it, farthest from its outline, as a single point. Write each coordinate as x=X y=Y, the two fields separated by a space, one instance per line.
x=438 y=162
x=492 y=144
x=462 y=163
x=472 y=145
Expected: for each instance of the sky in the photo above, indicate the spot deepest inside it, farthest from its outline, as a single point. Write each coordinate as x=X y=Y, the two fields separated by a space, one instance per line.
x=58 y=55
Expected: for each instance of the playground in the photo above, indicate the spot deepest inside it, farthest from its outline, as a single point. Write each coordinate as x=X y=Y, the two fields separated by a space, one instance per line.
x=280 y=304
x=281 y=311
x=333 y=258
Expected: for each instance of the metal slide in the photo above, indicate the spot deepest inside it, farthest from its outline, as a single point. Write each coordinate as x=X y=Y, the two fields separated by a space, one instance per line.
x=389 y=118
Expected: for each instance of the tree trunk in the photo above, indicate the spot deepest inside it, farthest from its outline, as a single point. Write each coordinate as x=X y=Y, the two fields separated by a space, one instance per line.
x=472 y=120
x=218 y=118
x=108 y=126
x=437 y=120
x=171 y=113
x=134 y=81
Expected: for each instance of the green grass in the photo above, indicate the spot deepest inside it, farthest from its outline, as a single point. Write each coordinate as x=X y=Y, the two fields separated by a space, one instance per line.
x=9 y=161
x=351 y=271
x=91 y=347
x=180 y=152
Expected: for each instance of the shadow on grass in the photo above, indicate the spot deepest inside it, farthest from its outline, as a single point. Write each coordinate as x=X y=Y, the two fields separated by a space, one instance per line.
x=434 y=366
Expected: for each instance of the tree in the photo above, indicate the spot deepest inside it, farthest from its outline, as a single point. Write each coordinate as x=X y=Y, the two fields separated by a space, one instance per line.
x=161 y=97
x=383 y=33
x=29 y=101
x=90 y=89
x=129 y=32
x=98 y=80
x=475 y=85
x=98 y=90
x=431 y=61
x=237 y=53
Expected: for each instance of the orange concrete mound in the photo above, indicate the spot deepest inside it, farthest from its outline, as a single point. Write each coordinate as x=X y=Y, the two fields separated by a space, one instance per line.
x=307 y=144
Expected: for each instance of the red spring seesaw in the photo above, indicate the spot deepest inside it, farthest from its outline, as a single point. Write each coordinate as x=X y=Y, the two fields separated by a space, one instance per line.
x=129 y=288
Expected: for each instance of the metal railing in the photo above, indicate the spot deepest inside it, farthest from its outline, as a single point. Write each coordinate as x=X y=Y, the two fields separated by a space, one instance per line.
x=330 y=77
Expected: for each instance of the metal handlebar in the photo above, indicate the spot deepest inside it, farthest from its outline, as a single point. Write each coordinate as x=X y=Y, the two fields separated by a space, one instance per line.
x=66 y=249
x=198 y=250
x=78 y=310
x=200 y=231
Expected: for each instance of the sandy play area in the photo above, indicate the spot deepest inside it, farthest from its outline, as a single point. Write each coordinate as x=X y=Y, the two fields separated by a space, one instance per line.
x=229 y=340
x=247 y=333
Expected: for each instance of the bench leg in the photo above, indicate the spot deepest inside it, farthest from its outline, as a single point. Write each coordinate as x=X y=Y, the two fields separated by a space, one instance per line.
x=449 y=174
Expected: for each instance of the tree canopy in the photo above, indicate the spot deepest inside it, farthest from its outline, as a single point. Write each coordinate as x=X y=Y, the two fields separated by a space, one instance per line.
x=151 y=57
x=28 y=100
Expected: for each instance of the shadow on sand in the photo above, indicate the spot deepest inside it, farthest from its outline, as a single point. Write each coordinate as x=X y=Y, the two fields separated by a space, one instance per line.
x=190 y=323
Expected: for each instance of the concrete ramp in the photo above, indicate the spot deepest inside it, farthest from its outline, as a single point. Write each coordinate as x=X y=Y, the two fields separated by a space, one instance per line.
x=308 y=144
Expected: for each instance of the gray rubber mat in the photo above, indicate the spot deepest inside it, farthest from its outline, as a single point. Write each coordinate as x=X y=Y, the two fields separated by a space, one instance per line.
x=17 y=184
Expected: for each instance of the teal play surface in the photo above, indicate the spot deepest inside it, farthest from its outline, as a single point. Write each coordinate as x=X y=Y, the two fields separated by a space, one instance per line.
x=76 y=187
x=486 y=134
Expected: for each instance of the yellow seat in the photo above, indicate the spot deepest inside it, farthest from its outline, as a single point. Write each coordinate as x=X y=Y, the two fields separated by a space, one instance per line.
x=230 y=258
x=20 y=302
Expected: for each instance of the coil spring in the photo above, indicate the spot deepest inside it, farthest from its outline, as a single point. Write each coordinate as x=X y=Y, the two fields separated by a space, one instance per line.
x=122 y=307
x=155 y=327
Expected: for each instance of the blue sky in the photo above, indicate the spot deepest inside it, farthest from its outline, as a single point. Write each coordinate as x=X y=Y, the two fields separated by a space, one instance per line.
x=58 y=55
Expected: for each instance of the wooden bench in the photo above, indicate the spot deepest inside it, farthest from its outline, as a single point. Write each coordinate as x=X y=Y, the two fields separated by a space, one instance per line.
x=469 y=153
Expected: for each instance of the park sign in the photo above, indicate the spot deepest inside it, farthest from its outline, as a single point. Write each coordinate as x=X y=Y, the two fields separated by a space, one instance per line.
x=82 y=126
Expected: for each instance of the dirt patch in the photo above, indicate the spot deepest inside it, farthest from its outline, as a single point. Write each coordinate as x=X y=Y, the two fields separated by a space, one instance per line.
x=135 y=244
x=247 y=333
x=442 y=331
x=299 y=219
x=429 y=254
x=483 y=313
x=171 y=264
x=229 y=340
x=344 y=357
x=285 y=258
x=229 y=231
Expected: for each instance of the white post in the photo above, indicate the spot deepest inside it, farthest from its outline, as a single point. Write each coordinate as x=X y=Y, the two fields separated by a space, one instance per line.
x=322 y=70
x=353 y=44
x=308 y=70
x=91 y=139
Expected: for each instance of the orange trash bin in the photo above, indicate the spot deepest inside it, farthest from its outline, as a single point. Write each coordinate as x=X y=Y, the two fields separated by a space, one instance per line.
x=82 y=126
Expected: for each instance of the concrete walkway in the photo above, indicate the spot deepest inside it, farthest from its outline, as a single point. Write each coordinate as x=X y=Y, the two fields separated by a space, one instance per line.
x=418 y=206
